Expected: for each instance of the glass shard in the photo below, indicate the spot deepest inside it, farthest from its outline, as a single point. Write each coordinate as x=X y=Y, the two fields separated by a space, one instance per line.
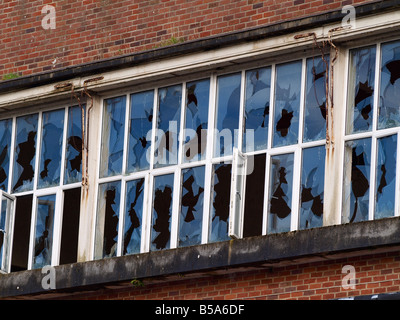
x=385 y=187
x=191 y=213
x=227 y=115
x=196 y=122
x=389 y=102
x=356 y=180
x=168 y=125
x=287 y=103
x=107 y=220
x=50 y=150
x=141 y=119
x=133 y=216
x=280 y=193
x=360 y=101
x=315 y=101
x=258 y=87
x=219 y=214
x=44 y=231
x=25 y=151
x=112 y=137
x=5 y=143
x=73 y=155
x=312 y=188
x=162 y=211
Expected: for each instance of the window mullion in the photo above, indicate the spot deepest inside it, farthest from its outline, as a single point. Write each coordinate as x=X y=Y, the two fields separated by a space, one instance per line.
x=12 y=154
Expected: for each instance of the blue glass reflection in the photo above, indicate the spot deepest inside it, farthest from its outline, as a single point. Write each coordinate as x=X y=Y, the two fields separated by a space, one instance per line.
x=5 y=143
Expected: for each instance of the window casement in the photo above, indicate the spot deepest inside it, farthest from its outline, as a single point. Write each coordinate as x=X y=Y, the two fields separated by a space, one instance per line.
x=169 y=174
x=41 y=169
x=370 y=178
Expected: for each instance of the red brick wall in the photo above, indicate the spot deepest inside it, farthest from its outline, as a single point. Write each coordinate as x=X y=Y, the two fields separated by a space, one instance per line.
x=89 y=30
x=379 y=273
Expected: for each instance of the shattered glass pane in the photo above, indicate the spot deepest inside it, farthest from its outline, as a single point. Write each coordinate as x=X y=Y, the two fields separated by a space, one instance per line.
x=50 y=153
x=191 y=213
x=356 y=180
x=287 y=103
x=315 y=101
x=5 y=143
x=196 y=123
x=141 y=120
x=221 y=194
x=162 y=212
x=73 y=155
x=168 y=125
x=133 y=216
x=385 y=187
x=258 y=87
x=312 y=188
x=25 y=151
x=44 y=231
x=280 y=193
x=389 y=101
x=107 y=220
x=113 y=136
x=4 y=233
x=227 y=116
x=361 y=90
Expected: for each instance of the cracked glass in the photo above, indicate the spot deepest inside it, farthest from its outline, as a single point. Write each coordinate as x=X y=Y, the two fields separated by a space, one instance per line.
x=5 y=143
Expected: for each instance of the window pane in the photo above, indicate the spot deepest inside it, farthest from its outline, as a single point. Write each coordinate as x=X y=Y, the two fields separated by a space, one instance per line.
x=44 y=231
x=5 y=143
x=287 y=103
x=191 y=213
x=361 y=90
x=221 y=193
x=312 y=187
x=73 y=156
x=113 y=136
x=315 y=102
x=162 y=211
x=25 y=151
x=386 y=177
x=389 y=102
x=133 y=216
x=50 y=153
x=258 y=86
x=141 y=119
x=196 y=123
x=280 y=193
x=107 y=220
x=168 y=124
x=356 y=180
x=227 y=115
x=5 y=232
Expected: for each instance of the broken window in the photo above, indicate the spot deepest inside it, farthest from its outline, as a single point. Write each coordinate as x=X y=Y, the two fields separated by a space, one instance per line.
x=50 y=154
x=287 y=103
x=191 y=213
x=196 y=120
x=315 y=99
x=257 y=109
x=389 y=102
x=133 y=216
x=73 y=156
x=6 y=221
x=312 y=188
x=107 y=220
x=25 y=151
x=227 y=114
x=113 y=136
x=162 y=212
x=140 y=125
x=280 y=193
x=219 y=213
x=357 y=165
x=43 y=238
x=361 y=90
x=168 y=125
x=5 y=143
